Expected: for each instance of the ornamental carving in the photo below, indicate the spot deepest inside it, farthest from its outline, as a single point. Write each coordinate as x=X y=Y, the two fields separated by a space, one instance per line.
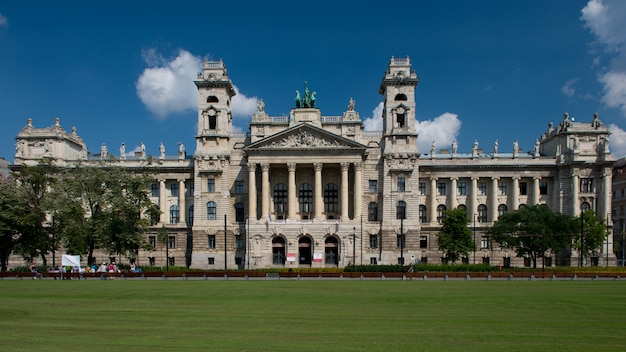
x=305 y=139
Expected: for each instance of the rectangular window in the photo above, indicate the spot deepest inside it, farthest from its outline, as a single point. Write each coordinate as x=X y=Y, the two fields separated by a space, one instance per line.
x=239 y=186
x=240 y=242
x=484 y=242
x=527 y=262
x=373 y=261
x=152 y=241
x=401 y=241
x=586 y=185
x=155 y=189
x=422 y=188
x=543 y=187
x=485 y=260
x=401 y=184
x=502 y=188
x=482 y=188
x=211 y=261
x=461 y=188
x=523 y=189
x=211 y=241
x=373 y=186
x=171 y=242
x=423 y=241
x=465 y=260
x=210 y=185
x=373 y=241
x=172 y=261
x=174 y=190
x=424 y=260
x=441 y=188
x=151 y=261
x=191 y=189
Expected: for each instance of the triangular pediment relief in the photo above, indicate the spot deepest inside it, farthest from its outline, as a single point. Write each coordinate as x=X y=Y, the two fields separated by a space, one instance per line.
x=304 y=136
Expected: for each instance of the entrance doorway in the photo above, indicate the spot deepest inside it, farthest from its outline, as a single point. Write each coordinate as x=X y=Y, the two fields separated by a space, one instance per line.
x=331 y=251
x=304 y=250
x=278 y=251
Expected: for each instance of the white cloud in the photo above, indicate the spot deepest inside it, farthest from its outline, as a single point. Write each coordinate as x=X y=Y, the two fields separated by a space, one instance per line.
x=443 y=129
x=243 y=106
x=168 y=86
x=375 y=123
x=617 y=141
x=614 y=90
x=568 y=88
x=4 y=22
x=606 y=19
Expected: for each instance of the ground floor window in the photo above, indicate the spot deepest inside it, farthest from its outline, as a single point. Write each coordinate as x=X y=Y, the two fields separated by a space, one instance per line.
x=373 y=260
x=211 y=261
x=485 y=260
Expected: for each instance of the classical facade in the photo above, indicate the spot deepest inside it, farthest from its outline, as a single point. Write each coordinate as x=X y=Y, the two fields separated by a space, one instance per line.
x=310 y=190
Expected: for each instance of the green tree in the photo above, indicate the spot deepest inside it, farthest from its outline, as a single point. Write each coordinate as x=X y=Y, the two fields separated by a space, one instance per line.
x=592 y=234
x=12 y=211
x=33 y=192
x=163 y=238
x=455 y=238
x=532 y=230
x=103 y=209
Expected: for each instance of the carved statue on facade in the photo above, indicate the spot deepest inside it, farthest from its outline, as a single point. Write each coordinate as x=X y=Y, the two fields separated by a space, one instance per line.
x=142 y=150
x=104 y=152
x=454 y=147
x=161 y=151
x=181 y=150
x=495 y=147
x=260 y=105
x=123 y=151
x=351 y=103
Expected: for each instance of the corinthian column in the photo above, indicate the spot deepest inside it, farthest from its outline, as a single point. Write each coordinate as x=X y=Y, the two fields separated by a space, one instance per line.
x=265 y=190
x=318 y=198
x=181 y=201
x=252 y=190
x=291 y=214
x=344 y=191
x=162 y=203
x=357 y=190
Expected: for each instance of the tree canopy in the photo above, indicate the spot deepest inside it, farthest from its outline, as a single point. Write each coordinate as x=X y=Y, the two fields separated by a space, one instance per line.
x=532 y=230
x=455 y=238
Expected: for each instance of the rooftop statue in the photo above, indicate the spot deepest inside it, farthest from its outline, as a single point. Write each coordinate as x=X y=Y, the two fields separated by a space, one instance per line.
x=308 y=100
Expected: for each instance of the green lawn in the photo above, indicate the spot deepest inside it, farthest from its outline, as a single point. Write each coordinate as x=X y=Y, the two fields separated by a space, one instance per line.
x=156 y=315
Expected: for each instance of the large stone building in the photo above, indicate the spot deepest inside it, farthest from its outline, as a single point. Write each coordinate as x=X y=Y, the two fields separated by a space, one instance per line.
x=310 y=190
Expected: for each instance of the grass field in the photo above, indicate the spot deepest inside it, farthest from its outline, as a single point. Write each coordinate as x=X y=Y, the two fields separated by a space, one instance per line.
x=129 y=315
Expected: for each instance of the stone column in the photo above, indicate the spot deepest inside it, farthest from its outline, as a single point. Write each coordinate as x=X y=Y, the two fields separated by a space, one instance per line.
x=605 y=205
x=181 y=201
x=252 y=190
x=515 y=193
x=575 y=206
x=535 y=200
x=432 y=208
x=265 y=190
x=358 y=167
x=318 y=199
x=291 y=190
x=473 y=198
x=344 y=191
x=453 y=186
x=162 y=203
x=493 y=200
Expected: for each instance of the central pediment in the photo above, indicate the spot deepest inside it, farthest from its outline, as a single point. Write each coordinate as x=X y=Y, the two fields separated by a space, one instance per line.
x=304 y=137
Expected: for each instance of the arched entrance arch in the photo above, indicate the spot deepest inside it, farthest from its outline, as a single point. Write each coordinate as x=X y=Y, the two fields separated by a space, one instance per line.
x=305 y=249
x=278 y=250
x=331 y=250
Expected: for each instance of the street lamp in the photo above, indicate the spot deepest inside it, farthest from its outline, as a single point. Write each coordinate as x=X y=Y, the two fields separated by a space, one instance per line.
x=474 y=238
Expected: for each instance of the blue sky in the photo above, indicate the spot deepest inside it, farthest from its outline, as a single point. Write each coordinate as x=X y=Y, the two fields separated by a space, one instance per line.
x=123 y=71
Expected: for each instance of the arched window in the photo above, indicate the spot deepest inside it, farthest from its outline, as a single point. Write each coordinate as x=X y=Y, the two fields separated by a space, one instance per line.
x=212 y=99
x=280 y=200
x=211 y=211
x=401 y=210
x=502 y=209
x=440 y=212
x=585 y=206
x=305 y=198
x=372 y=211
x=400 y=97
x=423 y=214
x=331 y=198
x=482 y=213
x=278 y=250
x=190 y=215
x=239 y=213
x=174 y=214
